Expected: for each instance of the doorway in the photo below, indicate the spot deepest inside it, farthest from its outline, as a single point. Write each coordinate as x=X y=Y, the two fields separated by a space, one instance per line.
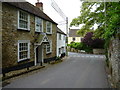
x=39 y=55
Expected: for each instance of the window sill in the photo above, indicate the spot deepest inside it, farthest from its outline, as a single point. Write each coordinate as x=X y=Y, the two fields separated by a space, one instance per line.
x=39 y=32
x=23 y=60
x=48 y=53
x=24 y=30
x=48 y=33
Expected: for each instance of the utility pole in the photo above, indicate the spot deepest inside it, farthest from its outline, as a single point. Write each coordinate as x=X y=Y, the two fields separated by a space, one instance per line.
x=105 y=13
x=59 y=11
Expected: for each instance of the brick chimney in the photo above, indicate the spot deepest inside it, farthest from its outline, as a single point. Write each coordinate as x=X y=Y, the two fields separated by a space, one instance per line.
x=39 y=5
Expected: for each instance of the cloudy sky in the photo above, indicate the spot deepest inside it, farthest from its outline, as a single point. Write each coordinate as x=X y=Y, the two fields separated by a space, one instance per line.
x=71 y=9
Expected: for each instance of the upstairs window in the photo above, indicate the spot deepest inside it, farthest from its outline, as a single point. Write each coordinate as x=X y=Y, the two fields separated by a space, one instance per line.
x=38 y=24
x=48 y=27
x=23 y=20
x=60 y=36
x=64 y=38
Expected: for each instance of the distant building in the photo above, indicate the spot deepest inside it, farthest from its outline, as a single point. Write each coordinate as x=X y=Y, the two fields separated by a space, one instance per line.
x=73 y=36
x=61 y=43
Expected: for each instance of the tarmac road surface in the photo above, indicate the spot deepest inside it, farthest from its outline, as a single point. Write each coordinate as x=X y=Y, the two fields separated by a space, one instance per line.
x=77 y=71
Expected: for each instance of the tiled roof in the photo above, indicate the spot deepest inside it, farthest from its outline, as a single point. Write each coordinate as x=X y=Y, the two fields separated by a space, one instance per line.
x=60 y=31
x=26 y=6
x=73 y=33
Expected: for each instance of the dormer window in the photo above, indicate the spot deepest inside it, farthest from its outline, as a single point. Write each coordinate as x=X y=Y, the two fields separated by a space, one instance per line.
x=48 y=27
x=23 y=20
x=38 y=24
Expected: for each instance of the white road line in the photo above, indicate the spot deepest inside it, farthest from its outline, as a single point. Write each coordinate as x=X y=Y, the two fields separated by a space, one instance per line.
x=91 y=56
x=96 y=56
x=45 y=81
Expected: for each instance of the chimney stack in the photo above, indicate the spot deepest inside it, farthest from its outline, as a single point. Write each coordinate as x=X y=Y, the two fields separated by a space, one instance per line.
x=39 y=5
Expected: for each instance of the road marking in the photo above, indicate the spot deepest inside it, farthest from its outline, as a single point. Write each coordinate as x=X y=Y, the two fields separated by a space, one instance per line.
x=96 y=56
x=87 y=56
x=45 y=81
x=91 y=56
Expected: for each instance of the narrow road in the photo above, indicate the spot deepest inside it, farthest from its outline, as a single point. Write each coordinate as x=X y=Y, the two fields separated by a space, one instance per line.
x=77 y=71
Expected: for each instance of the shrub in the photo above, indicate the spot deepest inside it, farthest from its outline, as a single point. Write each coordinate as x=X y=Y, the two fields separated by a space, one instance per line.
x=80 y=46
x=93 y=43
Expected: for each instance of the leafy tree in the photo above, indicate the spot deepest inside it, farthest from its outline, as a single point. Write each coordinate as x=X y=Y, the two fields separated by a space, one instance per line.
x=106 y=16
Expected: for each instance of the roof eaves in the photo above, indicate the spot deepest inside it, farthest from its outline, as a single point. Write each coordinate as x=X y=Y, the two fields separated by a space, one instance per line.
x=48 y=18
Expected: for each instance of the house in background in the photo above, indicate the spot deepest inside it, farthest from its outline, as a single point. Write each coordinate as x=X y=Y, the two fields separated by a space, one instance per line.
x=28 y=36
x=61 y=43
x=73 y=36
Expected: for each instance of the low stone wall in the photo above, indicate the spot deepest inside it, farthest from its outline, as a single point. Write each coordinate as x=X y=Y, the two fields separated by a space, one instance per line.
x=98 y=51
x=75 y=50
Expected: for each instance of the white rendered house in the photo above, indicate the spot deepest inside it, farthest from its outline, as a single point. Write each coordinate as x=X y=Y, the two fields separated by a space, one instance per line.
x=61 y=43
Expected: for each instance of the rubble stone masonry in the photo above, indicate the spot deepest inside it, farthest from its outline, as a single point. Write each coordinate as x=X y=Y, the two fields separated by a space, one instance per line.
x=114 y=57
x=0 y=35
x=11 y=35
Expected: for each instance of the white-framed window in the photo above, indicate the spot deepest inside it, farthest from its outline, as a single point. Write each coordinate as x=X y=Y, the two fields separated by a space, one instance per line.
x=23 y=50
x=23 y=20
x=59 y=50
x=38 y=24
x=64 y=38
x=60 y=36
x=73 y=38
x=49 y=47
x=48 y=27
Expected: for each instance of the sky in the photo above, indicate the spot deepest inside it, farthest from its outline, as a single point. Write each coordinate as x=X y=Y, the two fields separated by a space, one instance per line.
x=71 y=9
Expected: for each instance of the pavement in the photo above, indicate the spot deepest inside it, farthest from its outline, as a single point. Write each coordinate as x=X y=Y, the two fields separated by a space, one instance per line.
x=77 y=71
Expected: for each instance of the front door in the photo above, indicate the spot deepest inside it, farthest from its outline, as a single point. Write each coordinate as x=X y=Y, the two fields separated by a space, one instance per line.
x=39 y=55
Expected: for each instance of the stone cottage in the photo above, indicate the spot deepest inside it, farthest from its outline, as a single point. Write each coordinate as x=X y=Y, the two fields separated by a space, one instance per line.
x=28 y=36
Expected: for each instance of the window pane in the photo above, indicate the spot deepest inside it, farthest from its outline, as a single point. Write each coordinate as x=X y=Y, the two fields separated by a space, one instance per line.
x=49 y=27
x=38 y=24
x=23 y=20
x=23 y=50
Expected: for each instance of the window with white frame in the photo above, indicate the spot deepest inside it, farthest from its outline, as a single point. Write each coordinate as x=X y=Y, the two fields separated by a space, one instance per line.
x=49 y=47
x=23 y=20
x=48 y=27
x=73 y=38
x=60 y=36
x=23 y=50
x=59 y=50
x=64 y=38
x=38 y=24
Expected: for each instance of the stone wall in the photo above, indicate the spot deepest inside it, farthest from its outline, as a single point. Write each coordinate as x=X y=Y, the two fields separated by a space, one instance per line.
x=114 y=64
x=0 y=35
x=98 y=51
x=11 y=35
